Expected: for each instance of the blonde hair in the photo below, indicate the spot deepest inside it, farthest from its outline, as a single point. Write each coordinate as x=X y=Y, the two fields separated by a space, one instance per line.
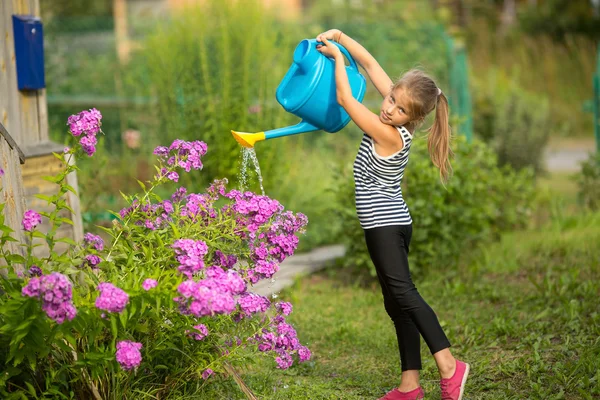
x=424 y=96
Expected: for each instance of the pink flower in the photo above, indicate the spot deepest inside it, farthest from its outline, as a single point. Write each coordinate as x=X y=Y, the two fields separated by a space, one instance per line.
x=149 y=284
x=207 y=372
x=202 y=332
x=111 y=299
x=30 y=220
x=128 y=354
x=55 y=292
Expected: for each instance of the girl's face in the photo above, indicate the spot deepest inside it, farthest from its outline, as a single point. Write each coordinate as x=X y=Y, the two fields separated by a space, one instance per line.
x=394 y=109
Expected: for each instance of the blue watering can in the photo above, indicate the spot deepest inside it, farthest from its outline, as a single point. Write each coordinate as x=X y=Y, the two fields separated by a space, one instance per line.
x=308 y=91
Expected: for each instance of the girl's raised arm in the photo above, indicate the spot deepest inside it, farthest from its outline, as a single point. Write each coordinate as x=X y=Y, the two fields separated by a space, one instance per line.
x=380 y=79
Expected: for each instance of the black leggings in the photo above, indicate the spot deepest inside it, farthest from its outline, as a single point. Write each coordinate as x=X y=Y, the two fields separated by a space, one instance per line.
x=388 y=247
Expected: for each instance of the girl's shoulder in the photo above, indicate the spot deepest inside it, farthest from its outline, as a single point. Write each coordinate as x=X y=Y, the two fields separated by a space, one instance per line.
x=407 y=137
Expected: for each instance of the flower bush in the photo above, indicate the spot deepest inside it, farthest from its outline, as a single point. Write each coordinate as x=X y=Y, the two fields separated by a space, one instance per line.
x=164 y=302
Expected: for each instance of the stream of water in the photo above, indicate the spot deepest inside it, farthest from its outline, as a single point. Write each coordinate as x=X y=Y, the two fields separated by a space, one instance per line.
x=244 y=177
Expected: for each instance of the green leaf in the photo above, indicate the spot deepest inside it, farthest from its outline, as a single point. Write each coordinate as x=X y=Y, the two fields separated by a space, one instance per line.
x=142 y=185
x=65 y=220
x=70 y=188
x=123 y=318
x=53 y=179
x=47 y=198
x=15 y=259
x=67 y=240
x=31 y=389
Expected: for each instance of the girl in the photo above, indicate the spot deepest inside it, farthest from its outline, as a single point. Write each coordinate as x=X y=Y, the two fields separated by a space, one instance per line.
x=383 y=214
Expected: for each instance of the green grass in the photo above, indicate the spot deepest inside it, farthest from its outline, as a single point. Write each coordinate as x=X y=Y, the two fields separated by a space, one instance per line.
x=524 y=312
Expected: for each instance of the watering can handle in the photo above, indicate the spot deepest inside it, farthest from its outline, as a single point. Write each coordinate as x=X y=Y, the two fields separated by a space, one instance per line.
x=346 y=53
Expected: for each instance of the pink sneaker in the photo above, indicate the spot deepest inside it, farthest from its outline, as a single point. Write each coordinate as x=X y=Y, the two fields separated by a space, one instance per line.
x=454 y=388
x=395 y=394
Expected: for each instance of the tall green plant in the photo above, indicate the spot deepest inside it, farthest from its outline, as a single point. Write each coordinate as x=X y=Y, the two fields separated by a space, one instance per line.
x=216 y=68
x=516 y=123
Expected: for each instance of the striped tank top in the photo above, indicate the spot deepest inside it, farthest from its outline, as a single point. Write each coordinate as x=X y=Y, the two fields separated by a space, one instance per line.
x=377 y=180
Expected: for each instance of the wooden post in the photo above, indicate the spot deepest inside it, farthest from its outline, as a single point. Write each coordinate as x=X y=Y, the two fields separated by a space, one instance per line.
x=25 y=115
x=11 y=190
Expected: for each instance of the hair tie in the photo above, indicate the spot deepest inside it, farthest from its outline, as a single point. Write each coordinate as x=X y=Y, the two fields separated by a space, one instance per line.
x=439 y=91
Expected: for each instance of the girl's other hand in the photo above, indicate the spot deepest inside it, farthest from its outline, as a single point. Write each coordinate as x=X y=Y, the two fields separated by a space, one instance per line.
x=328 y=49
x=331 y=34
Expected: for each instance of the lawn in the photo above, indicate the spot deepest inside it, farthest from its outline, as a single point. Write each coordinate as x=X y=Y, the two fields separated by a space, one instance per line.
x=523 y=311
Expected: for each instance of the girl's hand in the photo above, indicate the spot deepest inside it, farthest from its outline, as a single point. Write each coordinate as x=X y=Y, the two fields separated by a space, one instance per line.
x=329 y=49
x=332 y=34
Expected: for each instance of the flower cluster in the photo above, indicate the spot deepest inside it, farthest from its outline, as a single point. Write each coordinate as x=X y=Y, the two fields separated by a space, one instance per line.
x=149 y=284
x=93 y=260
x=200 y=333
x=95 y=241
x=56 y=293
x=254 y=210
x=152 y=216
x=86 y=125
x=212 y=295
x=128 y=354
x=186 y=155
x=252 y=303
x=190 y=255
x=225 y=261
x=111 y=299
x=30 y=220
x=34 y=270
x=284 y=307
x=281 y=338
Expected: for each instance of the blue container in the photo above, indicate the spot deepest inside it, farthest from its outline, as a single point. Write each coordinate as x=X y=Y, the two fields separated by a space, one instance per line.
x=308 y=91
x=29 y=52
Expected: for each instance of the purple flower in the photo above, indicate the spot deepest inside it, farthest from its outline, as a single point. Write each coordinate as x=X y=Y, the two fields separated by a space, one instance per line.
x=111 y=299
x=223 y=260
x=185 y=155
x=284 y=307
x=210 y=296
x=89 y=239
x=93 y=260
x=88 y=144
x=207 y=372
x=35 y=271
x=281 y=338
x=149 y=284
x=190 y=255
x=85 y=123
x=1 y=172
x=252 y=303
x=128 y=354
x=304 y=354
x=174 y=176
x=30 y=220
x=284 y=361
x=56 y=293
x=179 y=194
x=202 y=332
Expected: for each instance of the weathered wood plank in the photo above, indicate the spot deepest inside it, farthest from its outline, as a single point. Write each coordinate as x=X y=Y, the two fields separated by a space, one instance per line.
x=11 y=142
x=12 y=194
x=9 y=101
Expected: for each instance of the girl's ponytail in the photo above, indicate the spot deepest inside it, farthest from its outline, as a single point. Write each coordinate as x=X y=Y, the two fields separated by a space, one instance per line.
x=438 y=141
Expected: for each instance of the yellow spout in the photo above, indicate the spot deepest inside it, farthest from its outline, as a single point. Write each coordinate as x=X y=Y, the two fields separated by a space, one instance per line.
x=248 y=139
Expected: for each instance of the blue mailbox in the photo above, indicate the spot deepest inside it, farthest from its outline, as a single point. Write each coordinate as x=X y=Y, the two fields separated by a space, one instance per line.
x=29 y=52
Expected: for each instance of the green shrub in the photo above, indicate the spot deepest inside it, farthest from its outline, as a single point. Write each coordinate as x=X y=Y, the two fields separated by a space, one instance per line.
x=514 y=122
x=480 y=201
x=159 y=308
x=589 y=182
